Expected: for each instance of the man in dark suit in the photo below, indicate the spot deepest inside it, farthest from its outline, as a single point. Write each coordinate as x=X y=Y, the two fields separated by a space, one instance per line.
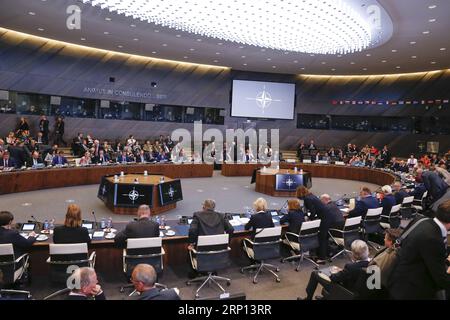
x=35 y=160
x=123 y=157
x=208 y=222
x=366 y=202
x=388 y=200
x=399 y=193
x=435 y=185
x=84 y=285
x=144 y=279
x=7 y=161
x=142 y=228
x=9 y=235
x=421 y=271
x=331 y=217
x=101 y=158
x=142 y=157
x=43 y=128
x=59 y=132
x=59 y=159
x=347 y=277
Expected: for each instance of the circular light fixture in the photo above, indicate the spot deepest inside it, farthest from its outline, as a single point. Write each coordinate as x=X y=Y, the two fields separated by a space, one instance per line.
x=308 y=26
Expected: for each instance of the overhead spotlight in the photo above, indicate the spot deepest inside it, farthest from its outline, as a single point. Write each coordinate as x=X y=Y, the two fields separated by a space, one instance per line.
x=153 y=84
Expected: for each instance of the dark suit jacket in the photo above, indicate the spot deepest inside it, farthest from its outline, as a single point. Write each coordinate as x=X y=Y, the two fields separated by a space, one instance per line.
x=206 y=223
x=362 y=206
x=146 y=158
x=63 y=234
x=434 y=184
x=30 y=162
x=11 y=163
x=43 y=126
x=400 y=195
x=101 y=296
x=295 y=218
x=59 y=127
x=260 y=220
x=56 y=160
x=387 y=203
x=98 y=160
x=315 y=206
x=20 y=244
x=350 y=275
x=156 y=294
x=420 y=271
x=143 y=228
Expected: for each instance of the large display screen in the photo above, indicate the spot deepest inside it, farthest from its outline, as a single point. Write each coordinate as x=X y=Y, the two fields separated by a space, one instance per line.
x=257 y=99
x=170 y=192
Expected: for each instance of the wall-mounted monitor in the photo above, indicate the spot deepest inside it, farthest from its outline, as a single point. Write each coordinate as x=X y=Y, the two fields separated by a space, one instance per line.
x=257 y=99
x=170 y=192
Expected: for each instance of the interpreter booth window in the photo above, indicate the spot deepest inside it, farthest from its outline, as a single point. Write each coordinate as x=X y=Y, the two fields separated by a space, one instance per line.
x=76 y=108
x=171 y=114
x=349 y=123
x=214 y=116
x=110 y=110
x=194 y=114
x=7 y=102
x=32 y=104
x=390 y=124
x=131 y=111
x=313 y=121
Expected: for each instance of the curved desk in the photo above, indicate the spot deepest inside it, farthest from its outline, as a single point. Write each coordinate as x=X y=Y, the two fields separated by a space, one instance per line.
x=374 y=176
x=37 y=179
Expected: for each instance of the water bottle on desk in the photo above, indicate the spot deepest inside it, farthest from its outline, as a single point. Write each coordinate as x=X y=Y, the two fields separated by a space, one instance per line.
x=103 y=223
x=109 y=224
x=163 y=222
x=46 y=225
x=158 y=220
x=52 y=224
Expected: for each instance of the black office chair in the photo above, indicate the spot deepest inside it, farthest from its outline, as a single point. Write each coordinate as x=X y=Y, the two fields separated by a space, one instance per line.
x=63 y=256
x=345 y=237
x=407 y=210
x=212 y=254
x=338 y=292
x=419 y=204
x=6 y=294
x=266 y=245
x=371 y=225
x=142 y=250
x=305 y=241
x=62 y=292
x=393 y=219
x=12 y=268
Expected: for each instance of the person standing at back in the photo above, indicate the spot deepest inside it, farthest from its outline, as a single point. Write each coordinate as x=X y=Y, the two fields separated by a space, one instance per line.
x=72 y=231
x=142 y=228
x=262 y=218
x=421 y=271
x=208 y=222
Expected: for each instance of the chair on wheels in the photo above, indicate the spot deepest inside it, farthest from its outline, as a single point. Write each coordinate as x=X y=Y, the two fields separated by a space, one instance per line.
x=338 y=292
x=304 y=242
x=6 y=294
x=371 y=225
x=407 y=210
x=418 y=204
x=62 y=292
x=344 y=238
x=266 y=245
x=211 y=254
x=393 y=219
x=12 y=268
x=63 y=256
x=142 y=250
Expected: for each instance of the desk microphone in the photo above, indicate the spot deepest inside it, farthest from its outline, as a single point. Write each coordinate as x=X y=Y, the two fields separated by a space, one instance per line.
x=95 y=220
x=35 y=220
x=283 y=207
x=39 y=224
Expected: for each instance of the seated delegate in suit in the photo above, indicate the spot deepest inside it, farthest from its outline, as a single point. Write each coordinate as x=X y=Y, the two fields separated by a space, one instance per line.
x=9 y=235
x=294 y=217
x=262 y=218
x=142 y=228
x=208 y=222
x=71 y=231
x=88 y=288
x=366 y=201
x=331 y=217
x=101 y=158
x=123 y=157
x=35 y=160
x=59 y=159
x=8 y=161
x=388 y=200
x=311 y=202
x=347 y=277
x=142 y=157
x=144 y=279
x=399 y=193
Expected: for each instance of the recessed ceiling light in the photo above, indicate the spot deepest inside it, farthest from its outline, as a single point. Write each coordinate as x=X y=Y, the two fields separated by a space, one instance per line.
x=191 y=49
x=413 y=57
x=154 y=52
x=432 y=6
x=220 y=43
x=185 y=57
x=274 y=67
x=106 y=32
x=268 y=59
x=83 y=39
x=426 y=32
x=156 y=30
x=241 y=47
x=41 y=29
x=263 y=49
x=323 y=62
x=394 y=50
x=397 y=67
x=135 y=39
x=384 y=61
x=295 y=61
x=442 y=49
x=216 y=60
x=133 y=25
x=368 y=55
x=217 y=53
x=199 y=40
x=178 y=36
x=303 y=68
x=433 y=62
x=244 y=64
x=108 y=19
x=333 y=69
x=243 y=57
x=352 y=62
x=339 y=55
x=412 y=42
x=32 y=13
x=120 y=46
x=365 y=69
x=311 y=55
x=432 y=20
x=286 y=52
x=164 y=44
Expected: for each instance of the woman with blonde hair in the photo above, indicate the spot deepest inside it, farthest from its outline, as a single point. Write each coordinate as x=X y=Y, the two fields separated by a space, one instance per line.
x=262 y=218
x=72 y=231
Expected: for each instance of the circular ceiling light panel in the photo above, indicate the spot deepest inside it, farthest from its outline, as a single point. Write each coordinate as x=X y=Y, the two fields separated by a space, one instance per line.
x=308 y=26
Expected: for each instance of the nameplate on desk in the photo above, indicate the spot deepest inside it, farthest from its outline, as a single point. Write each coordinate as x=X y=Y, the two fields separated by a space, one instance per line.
x=98 y=234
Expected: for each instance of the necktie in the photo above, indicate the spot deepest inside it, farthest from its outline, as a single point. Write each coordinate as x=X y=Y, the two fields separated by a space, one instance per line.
x=6 y=163
x=34 y=161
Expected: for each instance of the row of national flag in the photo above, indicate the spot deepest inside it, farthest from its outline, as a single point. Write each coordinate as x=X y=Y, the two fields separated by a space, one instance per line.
x=436 y=102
